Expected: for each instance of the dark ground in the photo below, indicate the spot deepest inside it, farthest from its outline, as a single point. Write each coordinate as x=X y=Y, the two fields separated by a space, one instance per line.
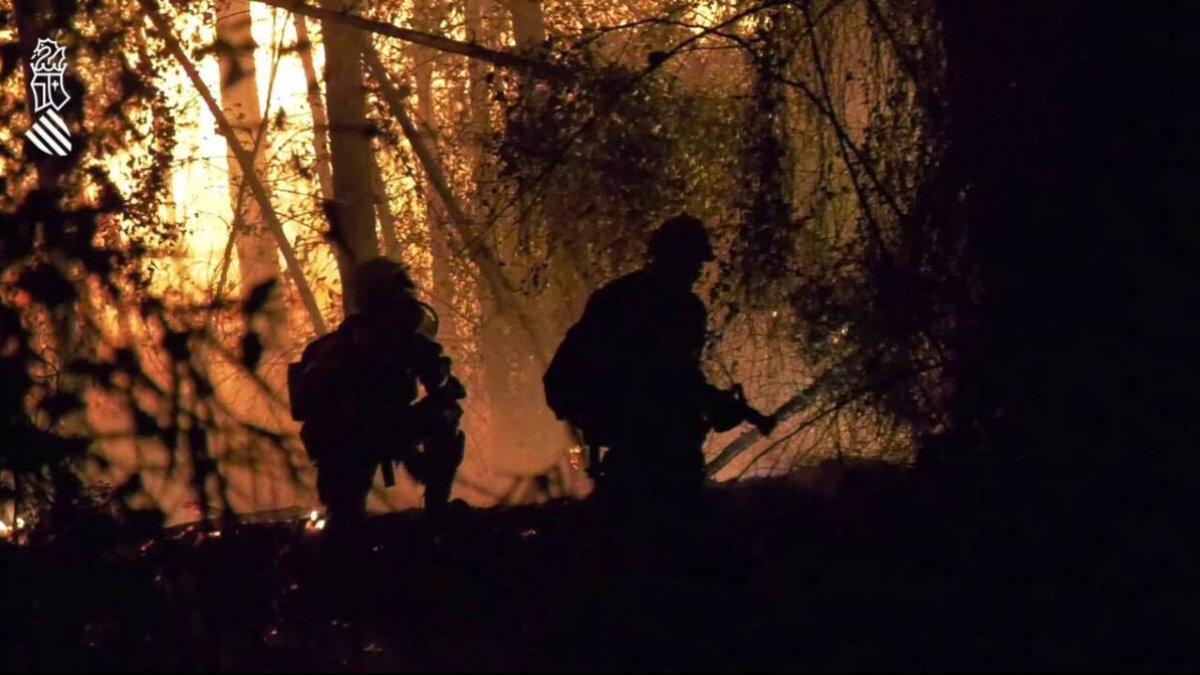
x=873 y=568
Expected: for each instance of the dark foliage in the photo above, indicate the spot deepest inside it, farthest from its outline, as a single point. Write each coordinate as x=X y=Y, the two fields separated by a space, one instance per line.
x=1070 y=361
x=64 y=262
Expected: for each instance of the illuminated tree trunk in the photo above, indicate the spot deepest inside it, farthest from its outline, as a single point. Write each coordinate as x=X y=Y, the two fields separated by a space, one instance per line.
x=479 y=129
x=387 y=221
x=352 y=213
x=266 y=481
x=319 y=117
x=481 y=126
x=258 y=255
x=443 y=281
x=529 y=27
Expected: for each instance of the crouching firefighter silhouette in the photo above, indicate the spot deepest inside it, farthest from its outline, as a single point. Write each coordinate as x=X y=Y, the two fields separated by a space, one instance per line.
x=628 y=376
x=356 y=391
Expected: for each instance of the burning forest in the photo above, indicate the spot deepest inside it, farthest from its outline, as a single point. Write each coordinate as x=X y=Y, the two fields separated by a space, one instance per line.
x=539 y=334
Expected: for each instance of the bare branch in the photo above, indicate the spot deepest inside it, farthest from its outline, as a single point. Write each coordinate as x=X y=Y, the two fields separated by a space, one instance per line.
x=468 y=49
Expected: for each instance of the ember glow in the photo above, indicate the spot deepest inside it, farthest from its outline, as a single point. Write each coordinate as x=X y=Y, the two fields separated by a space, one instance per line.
x=315 y=522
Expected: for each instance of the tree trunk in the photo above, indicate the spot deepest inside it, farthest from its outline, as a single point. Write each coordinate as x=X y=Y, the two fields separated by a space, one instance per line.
x=443 y=281
x=321 y=154
x=320 y=118
x=529 y=26
x=352 y=213
x=481 y=125
x=258 y=255
x=387 y=221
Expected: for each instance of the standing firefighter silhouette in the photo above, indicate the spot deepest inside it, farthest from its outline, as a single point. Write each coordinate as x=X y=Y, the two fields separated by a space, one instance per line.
x=628 y=375
x=356 y=392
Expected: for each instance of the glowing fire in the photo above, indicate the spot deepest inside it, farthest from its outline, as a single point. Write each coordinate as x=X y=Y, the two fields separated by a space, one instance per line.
x=12 y=531
x=200 y=181
x=315 y=522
